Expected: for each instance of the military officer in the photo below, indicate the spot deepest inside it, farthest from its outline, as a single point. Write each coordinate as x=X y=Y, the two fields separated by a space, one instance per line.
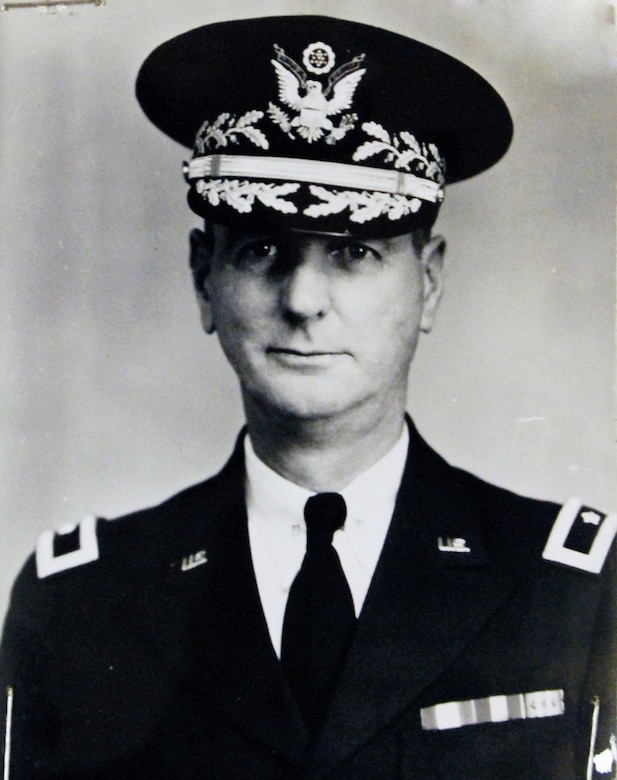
x=338 y=601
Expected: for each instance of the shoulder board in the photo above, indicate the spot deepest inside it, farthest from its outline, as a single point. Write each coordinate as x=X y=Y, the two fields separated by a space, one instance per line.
x=581 y=537
x=85 y=549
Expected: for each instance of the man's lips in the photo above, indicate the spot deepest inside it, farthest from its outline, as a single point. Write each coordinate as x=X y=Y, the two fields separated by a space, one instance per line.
x=305 y=358
x=302 y=352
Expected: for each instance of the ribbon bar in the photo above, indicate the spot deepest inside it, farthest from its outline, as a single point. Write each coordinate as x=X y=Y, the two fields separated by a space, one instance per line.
x=493 y=709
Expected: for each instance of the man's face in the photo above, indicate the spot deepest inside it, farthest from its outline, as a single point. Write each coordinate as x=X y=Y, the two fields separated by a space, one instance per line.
x=317 y=326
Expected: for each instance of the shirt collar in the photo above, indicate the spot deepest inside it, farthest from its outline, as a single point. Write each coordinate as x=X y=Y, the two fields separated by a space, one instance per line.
x=368 y=494
x=370 y=497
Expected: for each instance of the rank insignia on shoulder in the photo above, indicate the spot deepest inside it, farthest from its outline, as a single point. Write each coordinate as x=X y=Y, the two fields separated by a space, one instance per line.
x=71 y=546
x=581 y=537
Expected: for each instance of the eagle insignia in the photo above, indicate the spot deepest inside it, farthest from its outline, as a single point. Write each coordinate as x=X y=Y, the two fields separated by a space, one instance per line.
x=312 y=101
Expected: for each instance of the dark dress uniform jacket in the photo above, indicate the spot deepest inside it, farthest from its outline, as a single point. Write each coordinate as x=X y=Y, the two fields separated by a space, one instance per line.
x=154 y=661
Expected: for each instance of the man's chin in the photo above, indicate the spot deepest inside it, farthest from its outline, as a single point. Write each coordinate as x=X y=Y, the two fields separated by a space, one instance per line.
x=304 y=408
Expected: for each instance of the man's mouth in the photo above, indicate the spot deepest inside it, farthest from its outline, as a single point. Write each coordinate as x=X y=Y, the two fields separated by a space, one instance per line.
x=304 y=358
x=299 y=352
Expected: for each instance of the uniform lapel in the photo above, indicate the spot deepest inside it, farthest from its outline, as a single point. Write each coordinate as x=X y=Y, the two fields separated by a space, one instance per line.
x=236 y=667
x=244 y=677
x=422 y=608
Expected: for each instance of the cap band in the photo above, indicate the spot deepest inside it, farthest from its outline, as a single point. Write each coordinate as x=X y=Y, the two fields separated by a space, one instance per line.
x=360 y=177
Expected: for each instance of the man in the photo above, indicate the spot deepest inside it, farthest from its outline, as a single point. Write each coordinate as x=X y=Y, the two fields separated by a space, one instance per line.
x=338 y=601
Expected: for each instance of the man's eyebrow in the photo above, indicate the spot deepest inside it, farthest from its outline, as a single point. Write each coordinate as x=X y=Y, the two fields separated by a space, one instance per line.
x=381 y=244
x=233 y=242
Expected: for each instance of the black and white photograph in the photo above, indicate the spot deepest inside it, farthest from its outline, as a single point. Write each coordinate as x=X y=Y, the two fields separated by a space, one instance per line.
x=308 y=403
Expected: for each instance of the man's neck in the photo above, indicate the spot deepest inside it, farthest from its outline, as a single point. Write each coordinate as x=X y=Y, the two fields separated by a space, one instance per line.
x=323 y=454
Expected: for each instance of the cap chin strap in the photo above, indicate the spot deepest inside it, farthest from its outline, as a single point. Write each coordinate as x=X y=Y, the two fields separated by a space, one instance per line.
x=356 y=177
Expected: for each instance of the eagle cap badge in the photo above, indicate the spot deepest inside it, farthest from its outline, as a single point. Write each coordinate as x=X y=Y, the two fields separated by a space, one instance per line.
x=313 y=103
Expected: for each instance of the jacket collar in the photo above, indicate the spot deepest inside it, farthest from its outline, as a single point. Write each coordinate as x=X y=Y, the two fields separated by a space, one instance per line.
x=423 y=606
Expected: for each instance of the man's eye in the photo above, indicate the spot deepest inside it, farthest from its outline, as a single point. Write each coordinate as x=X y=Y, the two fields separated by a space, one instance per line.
x=354 y=252
x=260 y=250
x=358 y=251
x=258 y=255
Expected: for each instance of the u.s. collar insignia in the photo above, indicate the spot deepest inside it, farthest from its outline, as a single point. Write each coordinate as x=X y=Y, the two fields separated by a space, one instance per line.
x=314 y=104
x=455 y=550
x=450 y=544
x=195 y=559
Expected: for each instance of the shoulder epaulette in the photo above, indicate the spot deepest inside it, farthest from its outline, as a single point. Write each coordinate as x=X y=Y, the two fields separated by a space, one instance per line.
x=581 y=537
x=85 y=550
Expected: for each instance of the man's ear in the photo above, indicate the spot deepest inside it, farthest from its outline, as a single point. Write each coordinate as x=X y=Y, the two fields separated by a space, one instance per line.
x=432 y=258
x=201 y=264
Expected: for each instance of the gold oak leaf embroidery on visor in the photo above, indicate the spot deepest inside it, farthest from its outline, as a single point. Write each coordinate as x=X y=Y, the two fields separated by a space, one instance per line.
x=241 y=195
x=363 y=206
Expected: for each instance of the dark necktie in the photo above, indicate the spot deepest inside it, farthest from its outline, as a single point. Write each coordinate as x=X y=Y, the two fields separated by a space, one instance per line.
x=319 y=618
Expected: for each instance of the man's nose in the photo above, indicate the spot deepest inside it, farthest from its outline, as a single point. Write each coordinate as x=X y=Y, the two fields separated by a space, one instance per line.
x=305 y=290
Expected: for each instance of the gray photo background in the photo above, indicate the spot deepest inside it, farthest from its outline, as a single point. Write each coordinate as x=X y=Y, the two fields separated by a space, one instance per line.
x=111 y=396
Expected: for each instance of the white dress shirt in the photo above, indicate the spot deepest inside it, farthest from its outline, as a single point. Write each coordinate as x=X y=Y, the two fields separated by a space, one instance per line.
x=277 y=531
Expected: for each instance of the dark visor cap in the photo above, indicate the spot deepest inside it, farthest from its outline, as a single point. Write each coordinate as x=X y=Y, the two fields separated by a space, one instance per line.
x=319 y=124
